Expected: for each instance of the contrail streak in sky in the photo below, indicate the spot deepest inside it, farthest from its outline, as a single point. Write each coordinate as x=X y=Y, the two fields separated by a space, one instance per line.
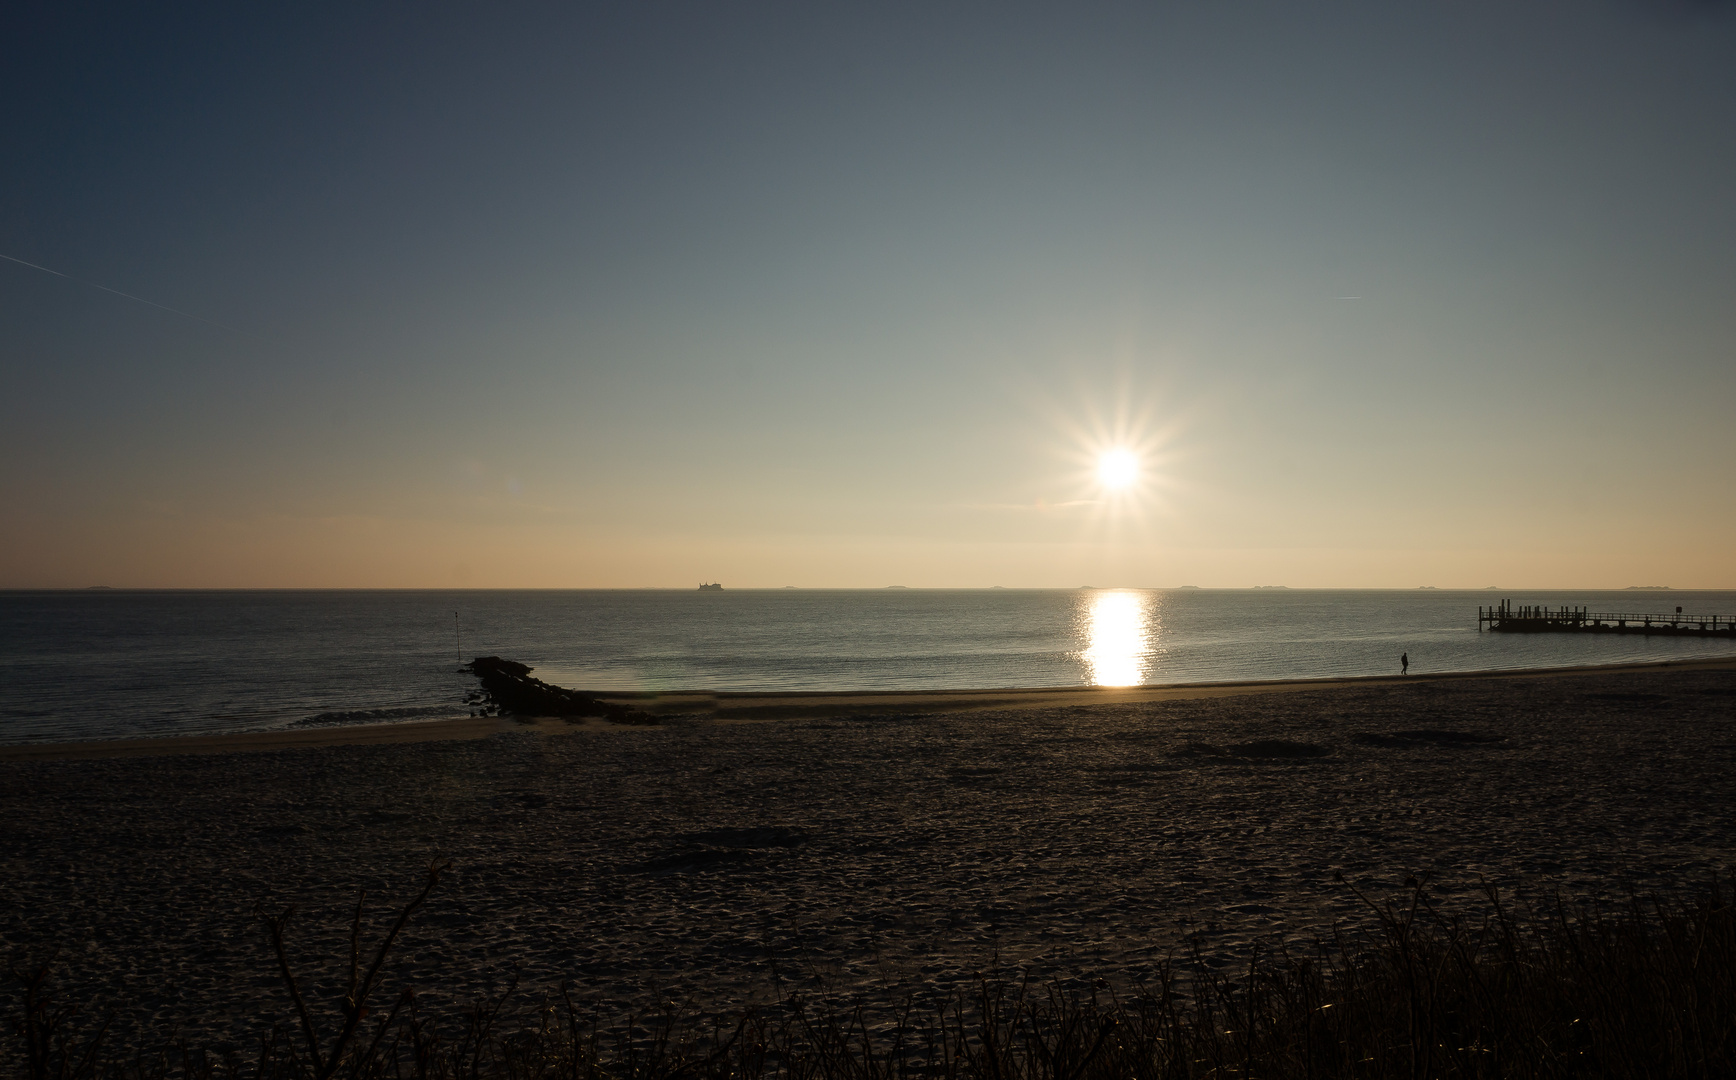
x=130 y=296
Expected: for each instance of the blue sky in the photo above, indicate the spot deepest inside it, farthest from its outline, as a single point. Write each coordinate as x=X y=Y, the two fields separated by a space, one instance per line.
x=625 y=295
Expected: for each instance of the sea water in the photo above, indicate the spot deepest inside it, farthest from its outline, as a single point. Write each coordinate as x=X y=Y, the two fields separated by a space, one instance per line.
x=115 y=664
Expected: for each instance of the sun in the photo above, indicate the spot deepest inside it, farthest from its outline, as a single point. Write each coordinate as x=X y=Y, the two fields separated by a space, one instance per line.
x=1117 y=469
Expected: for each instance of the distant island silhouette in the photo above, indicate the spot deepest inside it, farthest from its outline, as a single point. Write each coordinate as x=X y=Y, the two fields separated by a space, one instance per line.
x=1648 y=588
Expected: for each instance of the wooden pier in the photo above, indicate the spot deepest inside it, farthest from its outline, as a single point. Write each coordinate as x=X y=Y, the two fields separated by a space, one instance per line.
x=1525 y=619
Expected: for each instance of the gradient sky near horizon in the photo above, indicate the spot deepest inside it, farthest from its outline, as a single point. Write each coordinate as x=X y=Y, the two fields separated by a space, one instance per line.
x=1382 y=295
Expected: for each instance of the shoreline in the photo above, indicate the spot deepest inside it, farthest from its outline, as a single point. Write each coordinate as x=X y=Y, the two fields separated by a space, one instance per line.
x=741 y=706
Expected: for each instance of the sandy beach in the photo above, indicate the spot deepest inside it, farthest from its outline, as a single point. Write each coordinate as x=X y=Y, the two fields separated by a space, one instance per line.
x=869 y=846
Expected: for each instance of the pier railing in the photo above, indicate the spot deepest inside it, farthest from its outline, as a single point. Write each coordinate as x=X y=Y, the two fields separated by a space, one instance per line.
x=1524 y=618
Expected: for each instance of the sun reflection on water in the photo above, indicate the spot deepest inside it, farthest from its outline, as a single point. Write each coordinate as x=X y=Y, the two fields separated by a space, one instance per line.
x=1118 y=629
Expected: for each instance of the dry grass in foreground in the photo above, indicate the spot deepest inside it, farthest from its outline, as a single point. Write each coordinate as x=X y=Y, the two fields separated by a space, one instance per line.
x=1649 y=991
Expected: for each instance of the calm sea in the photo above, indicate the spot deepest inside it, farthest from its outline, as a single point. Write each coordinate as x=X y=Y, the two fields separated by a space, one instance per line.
x=100 y=664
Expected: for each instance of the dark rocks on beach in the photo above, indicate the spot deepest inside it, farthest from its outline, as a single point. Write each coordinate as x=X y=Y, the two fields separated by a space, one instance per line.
x=508 y=688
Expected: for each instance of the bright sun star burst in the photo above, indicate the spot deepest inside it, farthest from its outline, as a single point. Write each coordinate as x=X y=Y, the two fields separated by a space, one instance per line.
x=1117 y=469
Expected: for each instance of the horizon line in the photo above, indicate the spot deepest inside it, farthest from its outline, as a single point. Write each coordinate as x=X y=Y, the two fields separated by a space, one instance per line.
x=864 y=588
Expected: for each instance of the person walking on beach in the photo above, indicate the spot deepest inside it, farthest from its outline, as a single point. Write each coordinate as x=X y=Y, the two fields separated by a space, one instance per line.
x=1404 y=663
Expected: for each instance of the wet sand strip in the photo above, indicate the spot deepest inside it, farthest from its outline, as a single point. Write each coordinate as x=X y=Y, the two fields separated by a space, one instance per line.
x=747 y=706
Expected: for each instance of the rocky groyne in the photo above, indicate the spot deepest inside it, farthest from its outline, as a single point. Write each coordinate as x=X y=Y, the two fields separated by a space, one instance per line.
x=508 y=690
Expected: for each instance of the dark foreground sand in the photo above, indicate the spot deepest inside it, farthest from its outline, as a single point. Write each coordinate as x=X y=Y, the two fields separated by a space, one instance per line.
x=874 y=853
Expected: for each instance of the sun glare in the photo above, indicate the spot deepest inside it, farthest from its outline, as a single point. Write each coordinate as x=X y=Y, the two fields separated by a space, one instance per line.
x=1117 y=641
x=1117 y=469
x=1118 y=466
